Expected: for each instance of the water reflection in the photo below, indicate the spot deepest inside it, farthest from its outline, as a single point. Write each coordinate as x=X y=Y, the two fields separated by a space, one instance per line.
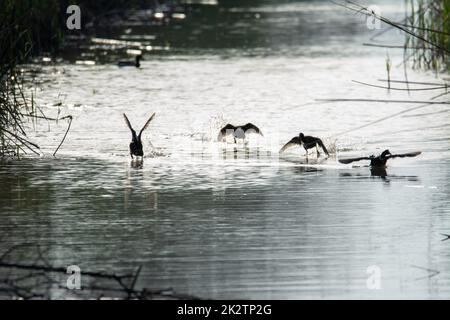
x=137 y=163
x=288 y=237
x=242 y=152
x=381 y=173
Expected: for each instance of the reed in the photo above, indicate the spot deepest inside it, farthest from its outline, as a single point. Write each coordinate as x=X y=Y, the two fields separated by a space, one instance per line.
x=29 y=28
x=427 y=31
x=430 y=20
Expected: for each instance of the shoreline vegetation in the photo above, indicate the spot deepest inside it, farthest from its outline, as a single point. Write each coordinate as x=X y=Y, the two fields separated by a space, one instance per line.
x=426 y=28
x=430 y=20
x=38 y=28
x=426 y=47
x=32 y=28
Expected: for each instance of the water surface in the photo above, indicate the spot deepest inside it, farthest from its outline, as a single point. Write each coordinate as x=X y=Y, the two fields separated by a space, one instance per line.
x=216 y=220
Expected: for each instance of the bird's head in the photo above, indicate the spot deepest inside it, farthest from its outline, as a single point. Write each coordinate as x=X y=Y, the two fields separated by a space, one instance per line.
x=385 y=153
x=301 y=135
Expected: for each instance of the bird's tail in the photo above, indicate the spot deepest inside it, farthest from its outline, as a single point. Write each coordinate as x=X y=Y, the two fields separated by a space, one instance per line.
x=323 y=147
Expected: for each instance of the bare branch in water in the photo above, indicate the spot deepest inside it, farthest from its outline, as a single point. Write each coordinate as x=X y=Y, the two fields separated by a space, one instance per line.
x=383 y=119
x=415 y=82
x=379 y=45
x=350 y=5
x=382 y=101
x=65 y=135
x=440 y=95
x=423 y=29
x=399 y=89
x=34 y=281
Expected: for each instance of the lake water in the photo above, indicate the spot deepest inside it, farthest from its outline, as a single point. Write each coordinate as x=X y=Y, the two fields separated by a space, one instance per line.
x=216 y=220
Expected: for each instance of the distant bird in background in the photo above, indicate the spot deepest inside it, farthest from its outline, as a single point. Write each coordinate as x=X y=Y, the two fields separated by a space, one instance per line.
x=307 y=142
x=239 y=132
x=136 y=143
x=136 y=63
x=447 y=236
x=380 y=161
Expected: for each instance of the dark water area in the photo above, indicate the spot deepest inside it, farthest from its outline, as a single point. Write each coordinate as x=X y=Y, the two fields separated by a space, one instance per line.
x=298 y=232
x=286 y=28
x=215 y=220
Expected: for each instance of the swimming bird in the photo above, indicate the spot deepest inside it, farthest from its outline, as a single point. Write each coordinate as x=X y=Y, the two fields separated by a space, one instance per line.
x=136 y=143
x=136 y=63
x=307 y=142
x=238 y=132
x=380 y=161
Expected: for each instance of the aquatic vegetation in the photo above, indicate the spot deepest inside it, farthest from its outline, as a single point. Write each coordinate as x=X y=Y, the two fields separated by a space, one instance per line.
x=426 y=28
x=14 y=106
x=30 y=28
x=430 y=20
x=427 y=45
x=388 y=70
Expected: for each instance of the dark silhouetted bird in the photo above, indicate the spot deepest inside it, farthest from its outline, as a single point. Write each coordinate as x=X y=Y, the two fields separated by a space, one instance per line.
x=447 y=236
x=136 y=63
x=136 y=143
x=380 y=161
x=238 y=132
x=307 y=142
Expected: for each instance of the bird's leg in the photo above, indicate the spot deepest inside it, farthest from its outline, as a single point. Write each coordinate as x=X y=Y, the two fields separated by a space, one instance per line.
x=317 y=151
x=132 y=158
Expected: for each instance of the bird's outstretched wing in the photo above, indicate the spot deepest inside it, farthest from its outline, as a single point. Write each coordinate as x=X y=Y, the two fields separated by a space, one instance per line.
x=350 y=160
x=129 y=126
x=410 y=154
x=128 y=122
x=224 y=130
x=146 y=124
x=251 y=126
x=294 y=142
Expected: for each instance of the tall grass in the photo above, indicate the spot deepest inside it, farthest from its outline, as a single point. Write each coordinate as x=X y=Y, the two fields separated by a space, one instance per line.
x=28 y=28
x=430 y=19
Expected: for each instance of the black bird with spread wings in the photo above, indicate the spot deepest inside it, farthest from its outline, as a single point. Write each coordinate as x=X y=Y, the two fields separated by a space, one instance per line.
x=307 y=142
x=380 y=161
x=136 y=143
x=238 y=132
